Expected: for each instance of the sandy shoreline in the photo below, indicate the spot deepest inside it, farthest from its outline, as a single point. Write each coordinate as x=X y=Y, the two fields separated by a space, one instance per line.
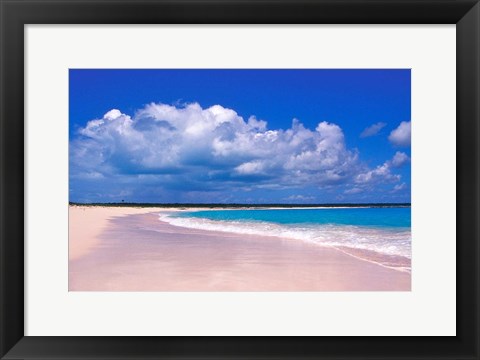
x=87 y=222
x=130 y=249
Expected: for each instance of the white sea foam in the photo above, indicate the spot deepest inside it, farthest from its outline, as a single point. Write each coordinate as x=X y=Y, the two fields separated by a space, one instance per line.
x=391 y=242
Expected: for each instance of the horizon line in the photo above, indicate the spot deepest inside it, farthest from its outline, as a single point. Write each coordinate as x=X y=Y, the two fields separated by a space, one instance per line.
x=240 y=204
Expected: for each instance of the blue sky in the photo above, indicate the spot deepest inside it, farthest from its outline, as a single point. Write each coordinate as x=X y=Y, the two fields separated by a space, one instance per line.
x=246 y=136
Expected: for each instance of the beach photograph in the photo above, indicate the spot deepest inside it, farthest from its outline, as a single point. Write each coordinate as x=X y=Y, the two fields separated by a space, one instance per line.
x=239 y=180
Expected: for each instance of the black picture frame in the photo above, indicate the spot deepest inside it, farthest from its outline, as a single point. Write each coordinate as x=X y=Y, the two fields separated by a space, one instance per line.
x=15 y=14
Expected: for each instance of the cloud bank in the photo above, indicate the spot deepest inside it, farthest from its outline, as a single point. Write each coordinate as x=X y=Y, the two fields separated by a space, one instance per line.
x=213 y=149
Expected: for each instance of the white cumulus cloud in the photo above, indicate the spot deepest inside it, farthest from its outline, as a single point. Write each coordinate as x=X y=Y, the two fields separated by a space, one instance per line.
x=399 y=159
x=383 y=173
x=401 y=136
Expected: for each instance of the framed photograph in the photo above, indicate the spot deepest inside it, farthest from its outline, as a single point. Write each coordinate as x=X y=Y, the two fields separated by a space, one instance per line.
x=273 y=205
x=239 y=179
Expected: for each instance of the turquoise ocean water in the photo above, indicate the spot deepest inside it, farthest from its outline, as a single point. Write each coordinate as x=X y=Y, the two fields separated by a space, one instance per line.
x=383 y=234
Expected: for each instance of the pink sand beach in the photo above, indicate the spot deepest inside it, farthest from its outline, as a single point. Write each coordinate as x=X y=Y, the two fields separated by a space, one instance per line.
x=130 y=249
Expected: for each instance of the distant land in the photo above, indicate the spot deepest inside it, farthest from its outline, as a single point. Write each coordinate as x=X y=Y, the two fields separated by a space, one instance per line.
x=234 y=205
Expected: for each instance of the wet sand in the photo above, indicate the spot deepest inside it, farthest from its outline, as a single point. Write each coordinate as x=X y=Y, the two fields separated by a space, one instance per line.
x=128 y=249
